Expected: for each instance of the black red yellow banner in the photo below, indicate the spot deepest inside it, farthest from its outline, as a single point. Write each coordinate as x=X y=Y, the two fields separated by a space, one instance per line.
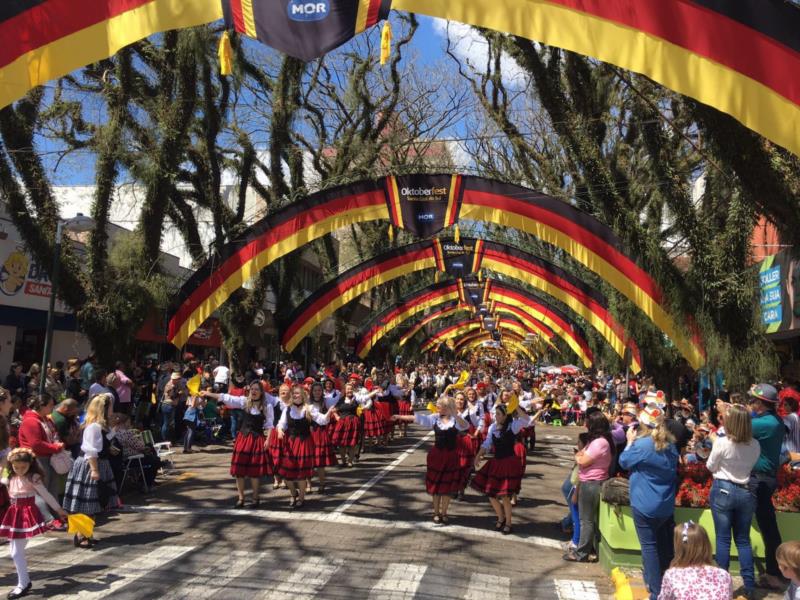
x=41 y=40
x=579 y=234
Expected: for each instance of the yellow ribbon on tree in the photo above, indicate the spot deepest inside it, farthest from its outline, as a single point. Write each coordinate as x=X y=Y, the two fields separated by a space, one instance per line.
x=386 y=42
x=225 y=54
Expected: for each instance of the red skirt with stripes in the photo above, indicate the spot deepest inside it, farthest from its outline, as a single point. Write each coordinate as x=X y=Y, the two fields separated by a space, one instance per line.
x=298 y=458
x=275 y=449
x=443 y=477
x=404 y=407
x=250 y=456
x=324 y=452
x=466 y=458
x=499 y=477
x=522 y=455
x=346 y=432
x=383 y=412
x=374 y=426
x=22 y=520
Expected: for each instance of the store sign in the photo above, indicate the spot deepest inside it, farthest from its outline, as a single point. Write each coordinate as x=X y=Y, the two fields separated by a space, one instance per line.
x=24 y=283
x=779 y=283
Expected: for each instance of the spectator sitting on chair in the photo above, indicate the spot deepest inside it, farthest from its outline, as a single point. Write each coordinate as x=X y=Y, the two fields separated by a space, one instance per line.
x=132 y=445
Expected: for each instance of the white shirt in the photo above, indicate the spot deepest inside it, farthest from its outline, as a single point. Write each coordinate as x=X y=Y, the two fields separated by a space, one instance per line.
x=241 y=401
x=300 y=413
x=331 y=398
x=221 y=374
x=732 y=461
x=517 y=425
x=430 y=421
x=92 y=443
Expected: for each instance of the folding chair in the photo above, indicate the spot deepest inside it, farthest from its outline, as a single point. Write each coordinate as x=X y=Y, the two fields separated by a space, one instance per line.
x=134 y=458
x=163 y=449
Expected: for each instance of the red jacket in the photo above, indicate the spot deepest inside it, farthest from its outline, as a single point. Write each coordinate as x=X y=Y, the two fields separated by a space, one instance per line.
x=31 y=435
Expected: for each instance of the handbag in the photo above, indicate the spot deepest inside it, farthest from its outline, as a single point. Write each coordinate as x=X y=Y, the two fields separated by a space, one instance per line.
x=61 y=462
x=616 y=490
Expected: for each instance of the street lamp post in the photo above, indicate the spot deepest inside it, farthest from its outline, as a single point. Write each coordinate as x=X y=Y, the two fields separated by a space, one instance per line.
x=78 y=224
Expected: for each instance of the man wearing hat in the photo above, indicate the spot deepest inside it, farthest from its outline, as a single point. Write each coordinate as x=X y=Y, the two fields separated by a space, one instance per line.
x=768 y=429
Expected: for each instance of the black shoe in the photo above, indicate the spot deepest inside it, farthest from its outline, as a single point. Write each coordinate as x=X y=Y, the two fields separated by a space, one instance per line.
x=239 y=504
x=23 y=592
x=255 y=504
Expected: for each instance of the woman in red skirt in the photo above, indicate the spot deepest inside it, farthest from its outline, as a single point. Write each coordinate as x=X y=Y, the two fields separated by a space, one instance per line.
x=274 y=442
x=443 y=476
x=378 y=421
x=250 y=459
x=500 y=478
x=347 y=432
x=297 y=462
x=403 y=392
x=324 y=452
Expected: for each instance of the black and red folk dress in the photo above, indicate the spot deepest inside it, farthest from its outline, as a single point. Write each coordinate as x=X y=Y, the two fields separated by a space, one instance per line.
x=298 y=460
x=347 y=430
x=501 y=475
x=324 y=452
x=251 y=457
x=443 y=475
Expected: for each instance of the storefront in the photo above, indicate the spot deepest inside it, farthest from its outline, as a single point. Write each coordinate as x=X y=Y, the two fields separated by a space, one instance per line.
x=24 y=300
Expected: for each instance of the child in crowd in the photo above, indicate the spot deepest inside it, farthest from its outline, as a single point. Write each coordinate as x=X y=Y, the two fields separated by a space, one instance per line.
x=691 y=573
x=24 y=479
x=788 y=556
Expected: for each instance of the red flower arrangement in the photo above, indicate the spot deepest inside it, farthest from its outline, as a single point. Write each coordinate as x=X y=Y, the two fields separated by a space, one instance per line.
x=695 y=488
x=695 y=485
x=787 y=497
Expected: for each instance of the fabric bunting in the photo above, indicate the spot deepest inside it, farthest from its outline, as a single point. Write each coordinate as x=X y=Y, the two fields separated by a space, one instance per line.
x=577 y=233
x=43 y=40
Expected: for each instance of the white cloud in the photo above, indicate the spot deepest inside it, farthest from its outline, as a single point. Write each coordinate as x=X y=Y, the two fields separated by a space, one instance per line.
x=468 y=45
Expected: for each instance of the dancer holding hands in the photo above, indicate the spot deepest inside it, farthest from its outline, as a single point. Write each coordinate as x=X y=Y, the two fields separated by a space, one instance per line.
x=443 y=475
x=500 y=478
x=251 y=458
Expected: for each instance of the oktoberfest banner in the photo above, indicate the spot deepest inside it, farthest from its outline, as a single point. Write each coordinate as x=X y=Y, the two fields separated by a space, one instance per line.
x=423 y=204
x=305 y=29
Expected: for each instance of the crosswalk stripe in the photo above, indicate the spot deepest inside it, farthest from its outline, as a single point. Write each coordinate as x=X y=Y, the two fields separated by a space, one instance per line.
x=573 y=589
x=209 y=583
x=399 y=582
x=482 y=586
x=306 y=582
x=131 y=571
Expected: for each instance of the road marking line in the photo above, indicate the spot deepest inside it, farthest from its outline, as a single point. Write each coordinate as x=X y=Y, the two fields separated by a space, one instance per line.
x=209 y=583
x=142 y=566
x=482 y=586
x=399 y=582
x=274 y=515
x=306 y=582
x=572 y=589
x=381 y=474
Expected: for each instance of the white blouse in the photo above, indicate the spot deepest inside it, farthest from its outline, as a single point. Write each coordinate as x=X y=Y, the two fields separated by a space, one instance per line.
x=331 y=398
x=470 y=415
x=266 y=409
x=300 y=413
x=92 y=443
x=430 y=421
x=517 y=425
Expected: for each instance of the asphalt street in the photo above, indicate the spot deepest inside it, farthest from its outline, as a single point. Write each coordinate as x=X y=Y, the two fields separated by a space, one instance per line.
x=370 y=536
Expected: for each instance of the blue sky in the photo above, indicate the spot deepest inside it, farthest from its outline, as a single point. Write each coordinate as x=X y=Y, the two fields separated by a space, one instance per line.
x=428 y=44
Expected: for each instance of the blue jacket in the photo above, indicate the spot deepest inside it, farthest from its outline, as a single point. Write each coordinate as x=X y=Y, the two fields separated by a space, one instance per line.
x=653 y=477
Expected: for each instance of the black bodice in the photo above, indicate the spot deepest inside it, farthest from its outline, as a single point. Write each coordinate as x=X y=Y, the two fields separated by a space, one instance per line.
x=446 y=439
x=252 y=424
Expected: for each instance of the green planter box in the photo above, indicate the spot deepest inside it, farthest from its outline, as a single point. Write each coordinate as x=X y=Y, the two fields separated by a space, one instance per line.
x=620 y=547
